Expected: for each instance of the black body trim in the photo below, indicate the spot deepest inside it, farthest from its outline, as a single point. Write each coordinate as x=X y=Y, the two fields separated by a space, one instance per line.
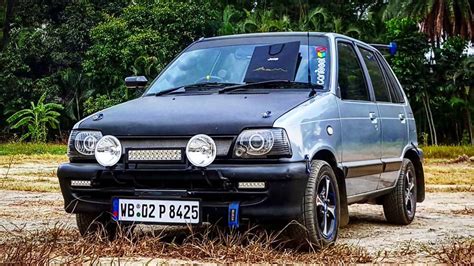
x=363 y=170
x=216 y=187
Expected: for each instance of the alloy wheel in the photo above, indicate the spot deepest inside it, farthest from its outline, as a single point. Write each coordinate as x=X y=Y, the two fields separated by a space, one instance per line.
x=410 y=195
x=326 y=207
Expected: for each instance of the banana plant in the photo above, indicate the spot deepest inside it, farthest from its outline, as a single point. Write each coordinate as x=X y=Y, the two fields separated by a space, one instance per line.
x=37 y=119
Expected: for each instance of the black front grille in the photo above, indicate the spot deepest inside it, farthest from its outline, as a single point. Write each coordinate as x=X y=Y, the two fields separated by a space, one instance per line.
x=223 y=144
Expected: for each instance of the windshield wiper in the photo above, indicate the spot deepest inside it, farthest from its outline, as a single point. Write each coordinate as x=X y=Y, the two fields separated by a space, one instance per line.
x=196 y=85
x=267 y=83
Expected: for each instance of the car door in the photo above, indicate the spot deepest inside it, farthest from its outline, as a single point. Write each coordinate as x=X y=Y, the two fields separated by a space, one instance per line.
x=393 y=117
x=360 y=124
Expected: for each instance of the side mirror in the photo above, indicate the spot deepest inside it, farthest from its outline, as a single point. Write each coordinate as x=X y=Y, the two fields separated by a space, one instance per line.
x=136 y=82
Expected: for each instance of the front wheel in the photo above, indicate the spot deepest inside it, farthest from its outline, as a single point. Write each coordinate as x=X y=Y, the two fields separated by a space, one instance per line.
x=319 y=219
x=399 y=206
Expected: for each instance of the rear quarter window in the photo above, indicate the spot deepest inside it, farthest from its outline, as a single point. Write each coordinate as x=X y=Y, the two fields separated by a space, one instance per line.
x=394 y=88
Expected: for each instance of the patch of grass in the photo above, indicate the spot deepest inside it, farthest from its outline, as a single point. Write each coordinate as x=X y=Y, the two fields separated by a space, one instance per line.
x=465 y=211
x=206 y=244
x=447 y=152
x=449 y=174
x=449 y=188
x=457 y=251
x=34 y=185
x=41 y=159
x=32 y=148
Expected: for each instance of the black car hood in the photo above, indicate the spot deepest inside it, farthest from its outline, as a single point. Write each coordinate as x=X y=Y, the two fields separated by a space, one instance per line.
x=187 y=115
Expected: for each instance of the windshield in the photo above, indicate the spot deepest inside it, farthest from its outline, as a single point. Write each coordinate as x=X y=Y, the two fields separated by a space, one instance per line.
x=228 y=65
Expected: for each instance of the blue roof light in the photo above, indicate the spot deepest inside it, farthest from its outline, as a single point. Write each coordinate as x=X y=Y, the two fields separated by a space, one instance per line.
x=392 y=48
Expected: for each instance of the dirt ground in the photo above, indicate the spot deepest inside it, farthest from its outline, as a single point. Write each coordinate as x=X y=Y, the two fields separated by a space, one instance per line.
x=440 y=218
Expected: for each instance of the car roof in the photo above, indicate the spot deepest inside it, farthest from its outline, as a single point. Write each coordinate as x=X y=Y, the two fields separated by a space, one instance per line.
x=299 y=34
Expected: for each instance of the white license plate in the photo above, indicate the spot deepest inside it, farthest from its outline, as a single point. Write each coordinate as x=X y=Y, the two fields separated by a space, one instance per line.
x=156 y=211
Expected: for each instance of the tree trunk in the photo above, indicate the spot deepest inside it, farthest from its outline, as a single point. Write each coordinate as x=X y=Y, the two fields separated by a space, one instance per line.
x=78 y=108
x=469 y=120
x=469 y=125
x=7 y=22
x=428 y=119
x=431 y=118
x=3 y=7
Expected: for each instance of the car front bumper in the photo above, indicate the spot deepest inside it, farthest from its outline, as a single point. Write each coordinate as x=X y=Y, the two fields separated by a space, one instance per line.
x=215 y=186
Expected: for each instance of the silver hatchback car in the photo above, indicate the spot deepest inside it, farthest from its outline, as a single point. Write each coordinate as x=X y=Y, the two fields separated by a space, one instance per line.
x=271 y=128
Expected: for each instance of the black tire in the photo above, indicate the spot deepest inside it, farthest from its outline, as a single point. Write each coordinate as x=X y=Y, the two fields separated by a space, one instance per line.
x=102 y=225
x=399 y=206
x=316 y=204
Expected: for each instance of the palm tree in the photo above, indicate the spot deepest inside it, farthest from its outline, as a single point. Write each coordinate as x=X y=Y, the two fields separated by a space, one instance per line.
x=3 y=11
x=318 y=19
x=36 y=119
x=439 y=18
x=463 y=82
x=264 y=21
x=230 y=17
x=6 y=18
x=79 y=88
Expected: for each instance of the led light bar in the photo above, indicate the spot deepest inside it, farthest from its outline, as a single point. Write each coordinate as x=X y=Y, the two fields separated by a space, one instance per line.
x=251 y=185
x=80 y=183
x=155 y=155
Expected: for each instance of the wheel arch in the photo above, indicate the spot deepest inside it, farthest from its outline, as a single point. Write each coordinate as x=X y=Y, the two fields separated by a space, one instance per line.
x=329 y=157
x=416 y=157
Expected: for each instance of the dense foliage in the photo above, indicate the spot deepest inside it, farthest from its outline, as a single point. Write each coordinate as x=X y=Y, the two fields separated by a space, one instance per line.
x=78 y=52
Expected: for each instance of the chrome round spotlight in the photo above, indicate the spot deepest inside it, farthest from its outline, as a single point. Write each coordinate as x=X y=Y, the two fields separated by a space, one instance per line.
x=201 y=150
x=108 y=151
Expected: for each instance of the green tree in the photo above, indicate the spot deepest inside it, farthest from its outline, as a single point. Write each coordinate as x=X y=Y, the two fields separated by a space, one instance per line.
x=46 y=39
x=454 y=79
x=439 y=18
x=37 y=119
x=264 y=21
x=463 y=80
x=142 y=40
x=6 y=15
x=411 y=65
x=80 y=89
x=230 y=18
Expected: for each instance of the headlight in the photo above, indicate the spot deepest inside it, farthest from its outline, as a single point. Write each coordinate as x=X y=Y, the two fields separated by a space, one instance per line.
x=262 y=143
x=201 y=150
x=83 y=142
x=108 y=151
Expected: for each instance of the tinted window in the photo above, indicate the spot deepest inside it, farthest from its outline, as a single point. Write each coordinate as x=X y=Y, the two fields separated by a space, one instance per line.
x=376 y=76
x=351 y=77
x=395 y=90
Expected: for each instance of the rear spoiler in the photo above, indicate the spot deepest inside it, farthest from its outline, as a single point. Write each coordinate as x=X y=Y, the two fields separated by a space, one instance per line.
x=391 y=47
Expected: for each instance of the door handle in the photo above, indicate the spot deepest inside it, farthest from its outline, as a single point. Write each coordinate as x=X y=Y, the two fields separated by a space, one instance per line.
x=402 y=117
x=373 y=117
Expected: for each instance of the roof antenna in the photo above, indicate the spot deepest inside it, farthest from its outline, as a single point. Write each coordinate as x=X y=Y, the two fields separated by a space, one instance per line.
x=313 y=91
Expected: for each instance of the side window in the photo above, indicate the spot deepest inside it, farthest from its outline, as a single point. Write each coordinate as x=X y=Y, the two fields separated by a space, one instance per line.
x=376 y=76
x=395 y=90
x=351 y=77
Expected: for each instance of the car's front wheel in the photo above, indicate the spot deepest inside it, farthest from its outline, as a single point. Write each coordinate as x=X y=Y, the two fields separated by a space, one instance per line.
x=399 y=206
x=319 y=220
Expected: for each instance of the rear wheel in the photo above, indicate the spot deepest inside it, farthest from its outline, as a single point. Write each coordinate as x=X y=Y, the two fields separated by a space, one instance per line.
x=319 y=220
x=100 y=224
x=399 y=206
